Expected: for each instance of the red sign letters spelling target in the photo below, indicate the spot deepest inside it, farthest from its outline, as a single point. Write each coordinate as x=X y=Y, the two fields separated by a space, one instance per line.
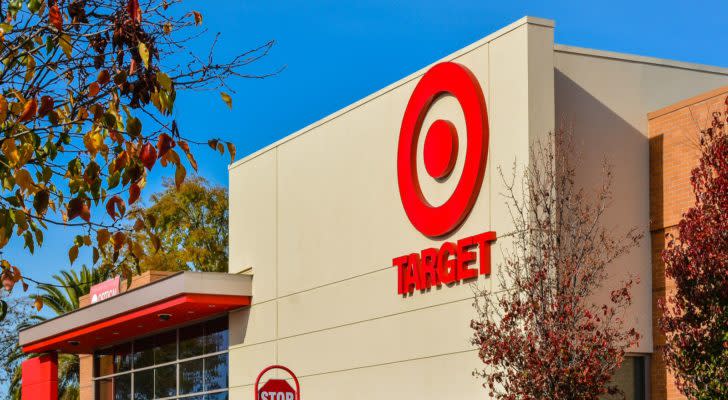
x=468 y=257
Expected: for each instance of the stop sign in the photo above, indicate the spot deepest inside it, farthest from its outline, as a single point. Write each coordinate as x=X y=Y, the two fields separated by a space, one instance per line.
x=276 y=389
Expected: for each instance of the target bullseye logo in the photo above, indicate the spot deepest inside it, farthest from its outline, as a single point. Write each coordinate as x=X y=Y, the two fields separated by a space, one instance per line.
x=441 y=149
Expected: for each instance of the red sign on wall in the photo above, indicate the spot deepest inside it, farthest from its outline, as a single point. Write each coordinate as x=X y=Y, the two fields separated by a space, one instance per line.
x=465 y=258
x=277 y=389
x=441 y=147
x=105 y=290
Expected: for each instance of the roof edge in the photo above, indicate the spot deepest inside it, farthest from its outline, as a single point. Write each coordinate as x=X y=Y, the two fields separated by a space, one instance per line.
x=560 y=48
x=723 y=90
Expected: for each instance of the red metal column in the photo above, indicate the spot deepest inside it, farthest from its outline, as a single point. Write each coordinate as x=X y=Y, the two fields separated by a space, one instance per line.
x=40 y=377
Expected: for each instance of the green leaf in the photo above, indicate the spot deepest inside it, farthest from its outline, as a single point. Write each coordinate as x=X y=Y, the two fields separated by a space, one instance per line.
x=164 y=80
x=113 y=180
x=29 y=244
x=144 y=54
x=34 y=5
x=29 y=68
x=65 y=42
x=227 y=99
x=109 y=120
x=133 y=126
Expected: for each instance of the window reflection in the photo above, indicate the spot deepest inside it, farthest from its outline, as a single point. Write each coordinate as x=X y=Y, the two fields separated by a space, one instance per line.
x=216 y=372
x=122 y=358
x=165 y=347
x=630 y=378
x=143 y=352
x=190 y=376
x=166 y=365
x=144 y=385
x=165 y=381
x=216 y=335
x=122 y=387
x=191 y=341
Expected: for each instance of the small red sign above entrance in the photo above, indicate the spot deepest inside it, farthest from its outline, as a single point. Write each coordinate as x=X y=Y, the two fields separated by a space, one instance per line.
x=277 y=389
x=104 y=290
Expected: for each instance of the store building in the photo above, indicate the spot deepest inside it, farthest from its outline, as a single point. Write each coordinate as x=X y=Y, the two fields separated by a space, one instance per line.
x=331 y=230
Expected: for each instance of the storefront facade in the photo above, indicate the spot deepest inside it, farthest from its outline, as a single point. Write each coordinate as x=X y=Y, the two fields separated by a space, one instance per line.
x=340 y=233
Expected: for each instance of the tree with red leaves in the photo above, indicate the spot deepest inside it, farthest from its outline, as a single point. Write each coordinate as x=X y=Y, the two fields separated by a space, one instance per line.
x=538 y=331
x=695 y=316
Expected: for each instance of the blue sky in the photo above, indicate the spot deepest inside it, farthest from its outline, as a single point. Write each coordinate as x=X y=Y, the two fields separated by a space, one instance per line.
x=338 y=52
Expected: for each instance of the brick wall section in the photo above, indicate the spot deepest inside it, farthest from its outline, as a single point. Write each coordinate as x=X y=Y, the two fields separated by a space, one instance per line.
x=673 y=134
x=86 y=360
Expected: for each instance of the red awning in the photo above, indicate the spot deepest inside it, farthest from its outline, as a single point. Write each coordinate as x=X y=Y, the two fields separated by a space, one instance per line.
x=161 y=305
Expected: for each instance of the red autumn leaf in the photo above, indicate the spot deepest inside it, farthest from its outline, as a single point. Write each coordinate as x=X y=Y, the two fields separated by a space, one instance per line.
x=198 y=17
x=8 y=281
x=134 y=192
x=78 y=207
x=103 y=77
x=132 y=67
x=116 y=136
x=148 y=156
x=164 y=144
x=93 y=89
x=135 y=13
x=29 y=110
x=55 y=17
x=46 y=105
x=112 y=205
x=119 y=238
x=190 y=157
x=85 y=212
x=121 y=161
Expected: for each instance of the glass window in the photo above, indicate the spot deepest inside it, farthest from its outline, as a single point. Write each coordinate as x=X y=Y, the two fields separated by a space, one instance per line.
x=143 y=352
x=122 y=358
x=191 y=341
x=216 y=335
x=165 y=381
x=216 y=372
x=122 y=387
x=190 y=361
x=144 y=385
x=190 y=376
x=165 y=347
x=631 y=378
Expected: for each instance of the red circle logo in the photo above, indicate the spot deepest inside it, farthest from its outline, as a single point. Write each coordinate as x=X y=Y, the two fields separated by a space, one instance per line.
x=441 y=149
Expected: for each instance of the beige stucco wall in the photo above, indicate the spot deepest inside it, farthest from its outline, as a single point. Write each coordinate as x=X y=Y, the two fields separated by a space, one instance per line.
x=317 y=216
x=605 y=98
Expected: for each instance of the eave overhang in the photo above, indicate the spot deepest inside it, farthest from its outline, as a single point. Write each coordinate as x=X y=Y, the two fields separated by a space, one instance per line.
x=186 y=297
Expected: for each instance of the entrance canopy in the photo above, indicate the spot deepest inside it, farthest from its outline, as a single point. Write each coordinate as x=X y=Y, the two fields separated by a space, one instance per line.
x=175 y=300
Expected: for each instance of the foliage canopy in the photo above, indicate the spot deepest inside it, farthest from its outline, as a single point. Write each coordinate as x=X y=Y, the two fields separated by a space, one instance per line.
x=86 y=111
